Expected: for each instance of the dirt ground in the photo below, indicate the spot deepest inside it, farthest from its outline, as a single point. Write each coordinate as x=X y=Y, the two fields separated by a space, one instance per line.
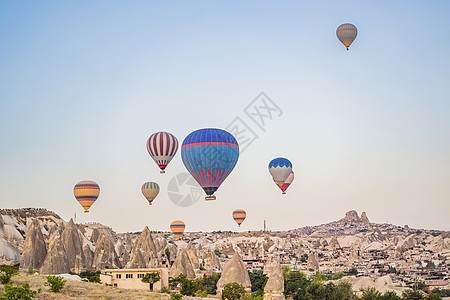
x=83 y=290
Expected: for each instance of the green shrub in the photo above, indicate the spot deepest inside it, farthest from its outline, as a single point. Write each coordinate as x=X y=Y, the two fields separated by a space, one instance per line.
x=233 y=291
x=56 y=283
x=165 y=290
x=175 y=296
x=22 y=292
x=6 y=272
x=30 y=270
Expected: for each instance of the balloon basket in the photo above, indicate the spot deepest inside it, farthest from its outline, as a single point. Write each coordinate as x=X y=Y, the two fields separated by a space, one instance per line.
x=162 y=172
x=283 y=193
x=212 y=197
x=86 y=211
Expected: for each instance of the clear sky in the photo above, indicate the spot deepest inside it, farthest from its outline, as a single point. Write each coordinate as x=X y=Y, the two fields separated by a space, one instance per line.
x=83 y=84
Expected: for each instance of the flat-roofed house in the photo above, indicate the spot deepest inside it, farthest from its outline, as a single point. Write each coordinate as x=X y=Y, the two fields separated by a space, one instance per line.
x=132 y=278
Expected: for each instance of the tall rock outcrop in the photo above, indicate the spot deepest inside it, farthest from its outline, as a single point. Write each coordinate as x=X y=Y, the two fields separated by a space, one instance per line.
x=9 y=255
x=34 y=250
x=88 y=257
x=136 y=260
x=351 y=216
x=364 y=217
x=212 y=261
x=105 y=255
x=275 y=285
x=72 y=241
x=145 y=244
x=192 y=253
x=334 y=244
x=182 y=265
x=312 y=262
x=56 y=261
x=235 y=271
x=122 y=253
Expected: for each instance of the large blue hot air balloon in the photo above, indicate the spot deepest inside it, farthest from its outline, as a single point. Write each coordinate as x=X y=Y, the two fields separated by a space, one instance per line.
x=210 y=155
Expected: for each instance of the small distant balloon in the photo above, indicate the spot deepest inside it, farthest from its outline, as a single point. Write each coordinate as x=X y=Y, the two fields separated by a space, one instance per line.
x=150 y=190
x=177 y=228
x=86 y=192
x=162 y=147
x=239 y=216
x=280 y=168
x=346 y=33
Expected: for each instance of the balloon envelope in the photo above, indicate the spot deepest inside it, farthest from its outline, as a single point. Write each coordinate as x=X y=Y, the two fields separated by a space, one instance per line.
x=287 y=182
x=346 y=33
x=150 y=190
x=86 y=192
x=177 y=228
x=280 y=168
x=210 y=155
x=239 y=216
x=162 y=147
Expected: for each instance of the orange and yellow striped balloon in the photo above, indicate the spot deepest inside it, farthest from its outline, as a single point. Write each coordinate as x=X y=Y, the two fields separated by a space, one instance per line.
x=239 y=216
x=86 y=192
x=346 y=33
x=177 y=228
x=150 y=190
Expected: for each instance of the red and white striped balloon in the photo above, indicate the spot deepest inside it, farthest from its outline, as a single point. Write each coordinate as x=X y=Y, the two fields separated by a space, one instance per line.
x=162 y=147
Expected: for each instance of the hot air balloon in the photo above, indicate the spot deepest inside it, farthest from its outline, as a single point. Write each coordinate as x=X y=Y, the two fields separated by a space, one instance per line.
x=287 y=183
x=346 y=33
x=280 y=168
x=177 y=228
x=86 y=192
x=210 y=155
x=150 y=190
x=239 y=216
x=162 y=147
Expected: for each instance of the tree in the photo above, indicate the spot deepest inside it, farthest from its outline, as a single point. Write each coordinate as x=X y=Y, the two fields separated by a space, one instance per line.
x=295 y=283
x=412 y=295
x=342 y=291
x=151 y=278
x=370 y=293
x=20 y=292
x=316 y=290
x=258 y=280
x=434 y=296
x=175 y=296
x=6 y=272
x=390 y=295
x=233 y=291
x=56 y=283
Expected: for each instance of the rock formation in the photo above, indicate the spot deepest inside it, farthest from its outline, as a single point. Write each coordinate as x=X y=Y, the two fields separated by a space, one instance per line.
x=192 y=253
x=364 y=217
x=235 y=271
x=72 y=241
x=182 y=265
x=275 y=285
x=212 y=261
x=34 y=250
x=9 y=255
x=88 y=257
x=136 y=260
x=334 y=244
x=56 y=261
x=312 y=262
x=104 y=255
x=122 y=253
x=145 y=244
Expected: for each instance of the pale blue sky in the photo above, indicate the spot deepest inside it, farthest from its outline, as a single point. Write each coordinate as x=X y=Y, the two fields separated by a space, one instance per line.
x=84 y=83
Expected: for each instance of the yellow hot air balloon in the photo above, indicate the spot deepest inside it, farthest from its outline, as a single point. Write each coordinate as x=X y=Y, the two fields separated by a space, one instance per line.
x=177 y=228
x=239 y=216
x=346 y=33
x=86 y=192
x=150 y=190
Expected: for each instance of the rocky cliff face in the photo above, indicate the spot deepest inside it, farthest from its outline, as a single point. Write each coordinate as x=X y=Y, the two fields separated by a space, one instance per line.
x=57 y=260
x=275 y=285
x=182 y=265
x=146 y=246
x=72 y=240
x=35 y=250
x=234 y=271
x=105 y=255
